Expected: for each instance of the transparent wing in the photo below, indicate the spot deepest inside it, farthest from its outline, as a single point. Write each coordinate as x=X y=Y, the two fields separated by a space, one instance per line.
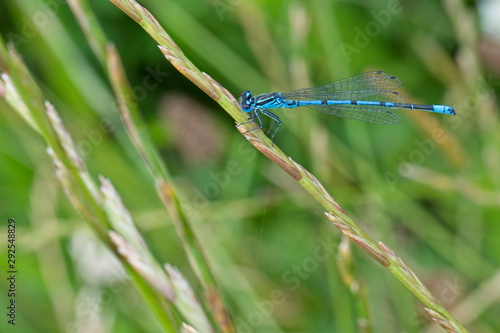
x=373 y=86
x=366 y=113
x=377 y=86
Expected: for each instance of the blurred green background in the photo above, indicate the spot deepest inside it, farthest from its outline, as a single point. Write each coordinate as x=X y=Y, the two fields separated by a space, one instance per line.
x=428 y=187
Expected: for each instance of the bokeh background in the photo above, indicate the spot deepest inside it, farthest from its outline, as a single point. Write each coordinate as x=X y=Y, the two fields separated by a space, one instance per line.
x=428 y=187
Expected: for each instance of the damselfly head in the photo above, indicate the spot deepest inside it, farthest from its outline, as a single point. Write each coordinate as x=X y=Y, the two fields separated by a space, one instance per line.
x=247 y=101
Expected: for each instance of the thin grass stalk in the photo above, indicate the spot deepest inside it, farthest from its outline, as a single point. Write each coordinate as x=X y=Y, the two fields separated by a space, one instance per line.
x=22 y=94
x=138 y=133
x=350 y=277
x=334 y=212
x=167 y=192
x=90 y=26
x=169 y=282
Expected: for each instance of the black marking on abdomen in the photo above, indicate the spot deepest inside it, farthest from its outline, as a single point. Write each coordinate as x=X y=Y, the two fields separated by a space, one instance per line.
x=324 y=102
x=353 y=102
x=421 y=107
